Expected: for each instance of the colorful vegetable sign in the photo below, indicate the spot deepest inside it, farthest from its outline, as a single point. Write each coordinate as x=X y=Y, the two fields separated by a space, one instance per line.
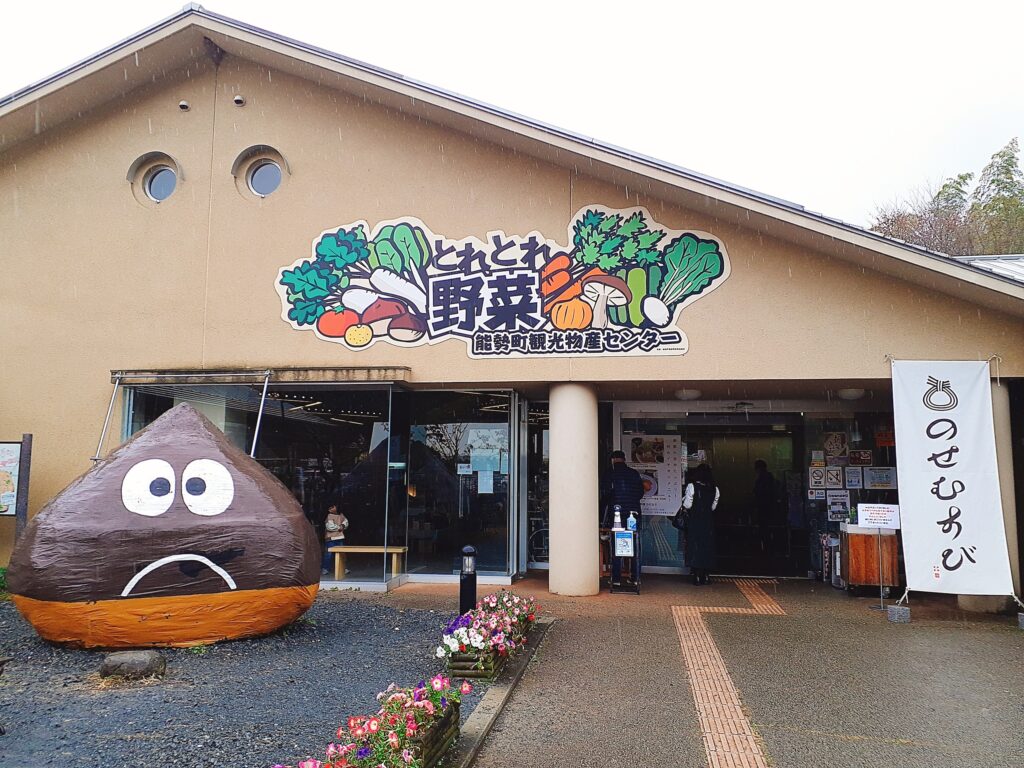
x=617 y=289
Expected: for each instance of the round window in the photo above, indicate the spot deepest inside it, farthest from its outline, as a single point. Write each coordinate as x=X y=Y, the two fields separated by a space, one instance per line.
x=160 y=183
x=264 y=177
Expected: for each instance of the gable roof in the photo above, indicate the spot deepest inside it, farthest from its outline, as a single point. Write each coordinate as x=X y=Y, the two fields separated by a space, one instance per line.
x=187 y=35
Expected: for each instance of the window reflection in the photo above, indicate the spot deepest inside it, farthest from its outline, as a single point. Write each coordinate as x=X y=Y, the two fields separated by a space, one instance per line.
x=424 y=470
x=459 y=464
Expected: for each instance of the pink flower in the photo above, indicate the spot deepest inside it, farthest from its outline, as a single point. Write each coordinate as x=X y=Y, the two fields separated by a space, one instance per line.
x=393 y=740
x=436 y=684
x=373 y=725
x=311 y=763
x=332 y=750
x=465 y=687
x=407 y=756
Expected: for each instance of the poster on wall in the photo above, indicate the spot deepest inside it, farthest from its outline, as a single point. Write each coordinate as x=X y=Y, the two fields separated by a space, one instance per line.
x=837 y=449
x=834 y=477
x=838 y=503
x=658 y=459
x=880 y=478
x=862 y=458
x=10 y=463
x=954 y=539
x=617 y=287
x=854 y=477
x=878 y=515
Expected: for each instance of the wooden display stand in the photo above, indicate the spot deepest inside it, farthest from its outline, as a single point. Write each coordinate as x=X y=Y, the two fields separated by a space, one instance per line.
x=858 y=556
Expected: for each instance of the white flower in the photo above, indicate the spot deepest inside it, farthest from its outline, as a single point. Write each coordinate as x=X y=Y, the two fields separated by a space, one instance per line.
x=440 y=652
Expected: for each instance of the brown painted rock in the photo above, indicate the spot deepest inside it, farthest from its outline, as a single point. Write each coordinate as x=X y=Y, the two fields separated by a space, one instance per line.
x=177 y=538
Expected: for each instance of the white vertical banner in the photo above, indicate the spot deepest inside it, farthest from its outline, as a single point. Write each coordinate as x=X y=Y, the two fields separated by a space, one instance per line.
x=951 y=508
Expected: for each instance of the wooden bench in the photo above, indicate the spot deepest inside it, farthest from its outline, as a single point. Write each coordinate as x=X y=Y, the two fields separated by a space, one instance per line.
x=340 y=552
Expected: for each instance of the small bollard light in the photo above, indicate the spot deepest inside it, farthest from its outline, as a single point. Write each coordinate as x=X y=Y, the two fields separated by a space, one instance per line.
x=467 y=580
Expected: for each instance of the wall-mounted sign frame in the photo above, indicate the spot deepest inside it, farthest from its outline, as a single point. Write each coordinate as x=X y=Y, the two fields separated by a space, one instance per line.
x=617 y=288
x=15 y=465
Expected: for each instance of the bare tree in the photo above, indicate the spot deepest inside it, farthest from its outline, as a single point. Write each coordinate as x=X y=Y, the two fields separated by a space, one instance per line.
x=446 y=439
x=959 y=222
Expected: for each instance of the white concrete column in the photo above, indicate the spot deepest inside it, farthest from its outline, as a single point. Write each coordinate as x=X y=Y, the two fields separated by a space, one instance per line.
x=573 y=492
x=1004 y=459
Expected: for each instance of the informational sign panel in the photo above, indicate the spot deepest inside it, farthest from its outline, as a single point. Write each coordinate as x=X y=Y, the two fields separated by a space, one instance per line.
x=658 y=459
x=878 y=515
x=10 y=463
x=838 y=505
x=815 y=477
x=623 y=543
x=953 y=535
x=616 y=286
x=862 y=458
x=880 y=478
x=854 y=477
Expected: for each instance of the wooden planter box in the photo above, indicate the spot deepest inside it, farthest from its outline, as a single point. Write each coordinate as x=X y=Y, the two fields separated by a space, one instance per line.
x=468 y=665
x=436 y=740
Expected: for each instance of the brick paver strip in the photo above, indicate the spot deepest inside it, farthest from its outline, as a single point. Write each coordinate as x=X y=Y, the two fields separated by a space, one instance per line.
x=729 y=740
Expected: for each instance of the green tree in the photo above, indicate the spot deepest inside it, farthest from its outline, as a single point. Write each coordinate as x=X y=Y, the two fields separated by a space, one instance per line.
x=959 y=221
x=997 y=205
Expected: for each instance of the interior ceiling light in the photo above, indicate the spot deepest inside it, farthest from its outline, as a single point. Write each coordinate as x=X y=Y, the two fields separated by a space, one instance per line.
x=851 y=393
x=688 y=394
x=306 y=405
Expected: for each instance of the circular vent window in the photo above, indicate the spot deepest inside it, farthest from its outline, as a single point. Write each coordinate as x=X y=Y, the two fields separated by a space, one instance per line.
x=160 y=183
x=264 y=177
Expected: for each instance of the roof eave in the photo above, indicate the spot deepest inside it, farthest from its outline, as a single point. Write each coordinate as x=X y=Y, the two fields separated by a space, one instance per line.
x=524 y=127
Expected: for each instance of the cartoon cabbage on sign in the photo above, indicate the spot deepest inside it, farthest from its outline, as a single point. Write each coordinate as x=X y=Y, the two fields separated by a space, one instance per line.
x=617 y=288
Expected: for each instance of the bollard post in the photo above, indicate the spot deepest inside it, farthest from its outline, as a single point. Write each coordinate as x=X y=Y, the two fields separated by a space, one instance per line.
x=467 y=580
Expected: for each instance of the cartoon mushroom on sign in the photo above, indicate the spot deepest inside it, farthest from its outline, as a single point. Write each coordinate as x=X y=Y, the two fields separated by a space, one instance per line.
x=407 y=328
x=605 y=291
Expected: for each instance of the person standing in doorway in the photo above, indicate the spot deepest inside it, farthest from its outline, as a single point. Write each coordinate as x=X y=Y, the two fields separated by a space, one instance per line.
x=625 y=488
x=700 y=502
x=764 y=499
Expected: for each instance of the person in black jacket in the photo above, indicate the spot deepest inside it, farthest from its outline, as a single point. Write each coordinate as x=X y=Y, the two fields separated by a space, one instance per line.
x=625 y=488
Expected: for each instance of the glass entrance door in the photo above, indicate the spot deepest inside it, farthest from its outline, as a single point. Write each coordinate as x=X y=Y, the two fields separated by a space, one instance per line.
x=752 y=534
x=459 y=490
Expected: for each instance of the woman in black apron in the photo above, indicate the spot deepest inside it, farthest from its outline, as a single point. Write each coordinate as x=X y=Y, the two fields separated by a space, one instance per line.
x=700 y=501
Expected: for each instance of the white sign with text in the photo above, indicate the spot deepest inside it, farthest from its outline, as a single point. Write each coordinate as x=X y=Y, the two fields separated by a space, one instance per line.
x=954 y=540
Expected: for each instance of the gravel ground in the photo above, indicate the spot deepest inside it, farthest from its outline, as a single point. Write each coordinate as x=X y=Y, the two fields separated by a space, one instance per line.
x=248 y=703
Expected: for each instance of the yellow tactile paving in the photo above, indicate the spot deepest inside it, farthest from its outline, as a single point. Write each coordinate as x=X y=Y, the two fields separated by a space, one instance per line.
x=729 y=740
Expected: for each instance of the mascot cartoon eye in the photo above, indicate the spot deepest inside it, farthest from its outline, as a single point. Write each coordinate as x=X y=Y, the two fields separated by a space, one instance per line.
x=207 y=487
x=148 y=488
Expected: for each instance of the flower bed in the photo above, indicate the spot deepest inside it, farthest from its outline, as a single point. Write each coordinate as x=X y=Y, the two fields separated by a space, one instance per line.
x=413 y=728
x=477 y=643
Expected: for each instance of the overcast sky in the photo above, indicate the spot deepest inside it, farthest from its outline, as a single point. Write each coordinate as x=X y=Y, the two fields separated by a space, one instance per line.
x=837 y=106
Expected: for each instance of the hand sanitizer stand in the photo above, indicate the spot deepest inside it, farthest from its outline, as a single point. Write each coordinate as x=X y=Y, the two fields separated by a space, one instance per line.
x=625 y=556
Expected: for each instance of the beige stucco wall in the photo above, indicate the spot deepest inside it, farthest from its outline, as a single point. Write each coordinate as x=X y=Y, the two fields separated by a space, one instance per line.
x=93 y=280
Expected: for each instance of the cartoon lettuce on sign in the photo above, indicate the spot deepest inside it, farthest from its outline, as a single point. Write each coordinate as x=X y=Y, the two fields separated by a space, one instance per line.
x=621 y=281
x=357 y=289
x=641 y=285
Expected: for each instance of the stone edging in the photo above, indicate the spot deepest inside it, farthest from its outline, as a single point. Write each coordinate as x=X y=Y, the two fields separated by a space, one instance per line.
x=486 y=712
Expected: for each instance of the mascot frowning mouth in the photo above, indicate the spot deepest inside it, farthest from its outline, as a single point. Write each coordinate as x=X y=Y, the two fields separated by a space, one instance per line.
x=176 y=538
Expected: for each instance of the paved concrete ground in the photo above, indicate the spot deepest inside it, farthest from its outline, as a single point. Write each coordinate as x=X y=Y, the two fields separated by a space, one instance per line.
x=830 y=683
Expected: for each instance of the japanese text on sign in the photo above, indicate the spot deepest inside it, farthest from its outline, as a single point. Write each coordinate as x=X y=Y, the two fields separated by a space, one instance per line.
x=617 y=289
